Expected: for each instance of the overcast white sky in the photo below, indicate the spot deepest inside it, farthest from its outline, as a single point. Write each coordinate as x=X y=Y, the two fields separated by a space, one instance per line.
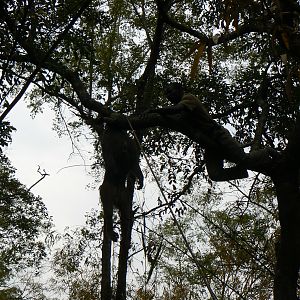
x=35 y=144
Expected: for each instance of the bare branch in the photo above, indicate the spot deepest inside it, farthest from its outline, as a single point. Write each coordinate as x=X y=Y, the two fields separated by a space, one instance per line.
x=43 y=174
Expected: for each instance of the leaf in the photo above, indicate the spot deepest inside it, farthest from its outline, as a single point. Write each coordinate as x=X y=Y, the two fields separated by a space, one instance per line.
x=197 y=57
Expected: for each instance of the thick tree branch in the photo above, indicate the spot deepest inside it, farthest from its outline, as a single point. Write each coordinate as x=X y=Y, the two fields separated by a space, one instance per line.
x=228 y=112
x=13 y=28
x=145 y=82
x=254 y=26
x=175 y=123
x=163 y=9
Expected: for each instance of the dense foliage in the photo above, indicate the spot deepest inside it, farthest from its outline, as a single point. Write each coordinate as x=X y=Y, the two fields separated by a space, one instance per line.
x=23 y=218
x=99 y=61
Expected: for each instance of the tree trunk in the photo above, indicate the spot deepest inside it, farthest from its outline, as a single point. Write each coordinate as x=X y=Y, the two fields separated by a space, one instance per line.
x=106 y=290
x=288 y=249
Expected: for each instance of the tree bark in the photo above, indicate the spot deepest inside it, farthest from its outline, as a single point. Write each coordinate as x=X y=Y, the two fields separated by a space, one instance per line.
x=288 y=248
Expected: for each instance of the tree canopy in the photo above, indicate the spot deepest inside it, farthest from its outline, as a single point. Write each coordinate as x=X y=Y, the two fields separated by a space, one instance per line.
x=23 y=219
x=107 y=62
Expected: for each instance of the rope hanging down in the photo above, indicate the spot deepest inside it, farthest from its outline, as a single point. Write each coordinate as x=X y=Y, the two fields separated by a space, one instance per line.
x=193 y=256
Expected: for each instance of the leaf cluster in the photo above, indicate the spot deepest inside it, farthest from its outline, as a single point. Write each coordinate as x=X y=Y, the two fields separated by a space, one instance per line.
x=23 y=219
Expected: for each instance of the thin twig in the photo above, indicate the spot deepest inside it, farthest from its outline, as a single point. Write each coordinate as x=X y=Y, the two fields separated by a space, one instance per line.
x=43 y=174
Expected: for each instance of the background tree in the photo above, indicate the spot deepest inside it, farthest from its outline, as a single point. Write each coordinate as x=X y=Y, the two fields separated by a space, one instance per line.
x=233 y=241
x=76 y=262
x=23 y=220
